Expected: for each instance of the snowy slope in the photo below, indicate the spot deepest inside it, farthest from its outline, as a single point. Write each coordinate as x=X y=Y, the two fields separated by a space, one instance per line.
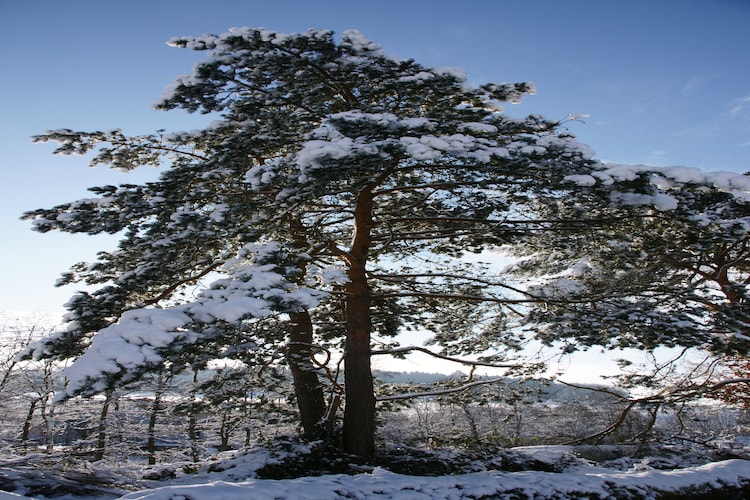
x=383 y=484
x=234 y=476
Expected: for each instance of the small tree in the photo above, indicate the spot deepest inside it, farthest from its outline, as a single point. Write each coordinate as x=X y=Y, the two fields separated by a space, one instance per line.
x=34 y=383
x=338 y=186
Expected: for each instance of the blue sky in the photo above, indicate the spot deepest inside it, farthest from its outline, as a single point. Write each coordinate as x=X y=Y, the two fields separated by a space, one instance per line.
x=665 y=82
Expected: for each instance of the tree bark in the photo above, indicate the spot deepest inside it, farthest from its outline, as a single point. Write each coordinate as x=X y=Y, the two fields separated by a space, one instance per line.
x=307 y=387
x=193 y=420
x=359 y=410
x=101 y=440
x=155 y=408
x=27 y=422
x=225 y=431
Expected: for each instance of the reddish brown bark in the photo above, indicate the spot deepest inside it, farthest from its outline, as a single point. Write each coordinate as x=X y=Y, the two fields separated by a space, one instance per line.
x=359 y=412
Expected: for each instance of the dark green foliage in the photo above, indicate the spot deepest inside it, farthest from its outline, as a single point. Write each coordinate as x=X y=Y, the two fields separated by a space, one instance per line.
x=345 y=185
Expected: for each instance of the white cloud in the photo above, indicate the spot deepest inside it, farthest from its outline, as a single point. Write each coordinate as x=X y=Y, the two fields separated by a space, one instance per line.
x=739 y=106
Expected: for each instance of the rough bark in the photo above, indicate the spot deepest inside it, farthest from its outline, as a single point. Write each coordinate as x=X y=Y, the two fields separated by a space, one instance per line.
x=359 y=411
x=307 y=387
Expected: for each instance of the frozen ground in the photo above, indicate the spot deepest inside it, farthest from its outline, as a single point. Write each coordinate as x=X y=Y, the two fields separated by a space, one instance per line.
x=234 y=477
x=586 y=482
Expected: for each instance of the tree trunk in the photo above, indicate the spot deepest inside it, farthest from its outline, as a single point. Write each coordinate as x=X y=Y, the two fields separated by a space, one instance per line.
x=359 y=409
x=193 y=421
x=155 y=408
x=101 y=440
x=47 y=410
x=27 y=422
x=307 y=387
x=472 y=423
x=225 y=431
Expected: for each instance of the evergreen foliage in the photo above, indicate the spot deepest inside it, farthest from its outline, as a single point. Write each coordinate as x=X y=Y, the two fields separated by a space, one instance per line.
x=331 y=200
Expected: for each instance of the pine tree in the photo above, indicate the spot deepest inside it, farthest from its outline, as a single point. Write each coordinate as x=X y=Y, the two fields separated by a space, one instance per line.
x=653 y=278
x=335 y=192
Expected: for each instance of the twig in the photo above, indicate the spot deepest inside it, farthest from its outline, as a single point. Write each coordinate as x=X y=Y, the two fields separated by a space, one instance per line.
x=402 y=350
x=439 y=392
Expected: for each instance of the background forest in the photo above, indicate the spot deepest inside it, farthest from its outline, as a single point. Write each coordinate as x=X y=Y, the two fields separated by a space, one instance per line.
x=170 y=428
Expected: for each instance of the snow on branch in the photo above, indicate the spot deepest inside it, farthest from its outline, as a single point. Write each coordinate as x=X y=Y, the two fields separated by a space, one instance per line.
x=663 y=178
x=256 y=286
x=360 y=44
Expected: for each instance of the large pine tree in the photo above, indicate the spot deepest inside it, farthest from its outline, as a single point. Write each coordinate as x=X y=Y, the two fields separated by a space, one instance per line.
x=331 y=199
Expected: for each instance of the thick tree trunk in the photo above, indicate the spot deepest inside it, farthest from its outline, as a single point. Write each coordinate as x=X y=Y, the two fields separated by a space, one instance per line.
x=359 y=409
x=307 y=387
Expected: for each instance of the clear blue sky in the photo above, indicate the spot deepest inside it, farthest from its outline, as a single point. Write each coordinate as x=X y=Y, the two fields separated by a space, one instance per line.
x=665 y=82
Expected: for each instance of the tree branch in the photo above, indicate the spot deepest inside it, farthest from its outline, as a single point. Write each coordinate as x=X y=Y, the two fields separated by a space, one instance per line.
x=440 y=392
x=402 y=350
x=169 y=290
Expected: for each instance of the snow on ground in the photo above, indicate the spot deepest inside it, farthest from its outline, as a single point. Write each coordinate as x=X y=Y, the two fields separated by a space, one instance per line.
x=580 y=479
x=387 y=485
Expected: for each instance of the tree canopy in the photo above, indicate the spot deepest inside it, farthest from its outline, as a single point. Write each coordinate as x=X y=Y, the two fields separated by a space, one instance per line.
x=331 y=200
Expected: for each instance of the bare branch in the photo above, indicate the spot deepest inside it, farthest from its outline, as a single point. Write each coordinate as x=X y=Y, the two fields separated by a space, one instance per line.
x=440 y=392
x=403 y=350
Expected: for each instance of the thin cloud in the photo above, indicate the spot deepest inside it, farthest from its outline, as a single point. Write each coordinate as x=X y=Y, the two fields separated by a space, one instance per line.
x=739 y=106
x=695 y=83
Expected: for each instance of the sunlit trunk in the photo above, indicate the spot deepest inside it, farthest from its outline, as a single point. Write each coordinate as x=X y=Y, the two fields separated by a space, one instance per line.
x=359 y=410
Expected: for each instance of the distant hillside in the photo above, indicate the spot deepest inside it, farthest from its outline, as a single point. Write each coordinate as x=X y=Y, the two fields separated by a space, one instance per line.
x=419 y=378
x=547 y=390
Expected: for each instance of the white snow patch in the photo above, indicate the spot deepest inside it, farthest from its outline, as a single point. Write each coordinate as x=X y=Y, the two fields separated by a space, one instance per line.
x=253 y=288
x=583 y=180
x=586 y=481
x=361 y=44
x=456 y=72
x=479 y=127
x=559 y=288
